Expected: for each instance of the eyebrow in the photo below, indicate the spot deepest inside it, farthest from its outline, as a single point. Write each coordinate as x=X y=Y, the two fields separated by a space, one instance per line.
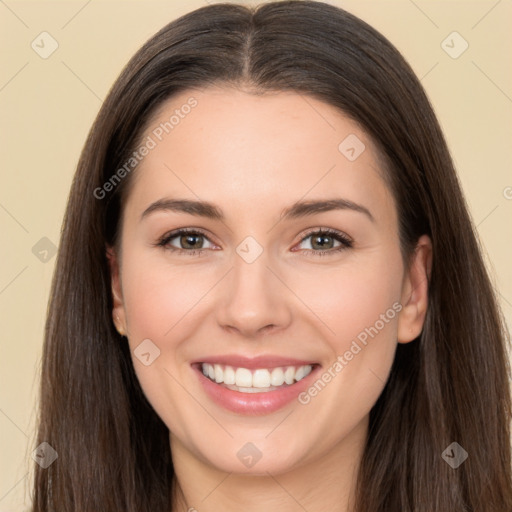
x=297 y=210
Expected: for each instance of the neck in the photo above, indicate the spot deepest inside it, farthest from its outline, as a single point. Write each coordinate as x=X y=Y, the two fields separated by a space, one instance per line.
x=327 y=482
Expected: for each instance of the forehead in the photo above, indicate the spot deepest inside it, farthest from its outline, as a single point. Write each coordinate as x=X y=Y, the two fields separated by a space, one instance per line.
x=251 y=152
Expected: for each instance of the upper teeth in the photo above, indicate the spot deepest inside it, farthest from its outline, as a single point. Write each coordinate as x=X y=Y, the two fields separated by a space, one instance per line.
x=260 y=378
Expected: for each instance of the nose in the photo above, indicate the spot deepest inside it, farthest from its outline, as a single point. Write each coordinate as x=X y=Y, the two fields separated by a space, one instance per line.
x=254 y=301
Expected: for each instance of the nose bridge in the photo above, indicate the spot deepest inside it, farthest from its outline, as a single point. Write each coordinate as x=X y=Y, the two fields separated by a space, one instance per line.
x=254 y=298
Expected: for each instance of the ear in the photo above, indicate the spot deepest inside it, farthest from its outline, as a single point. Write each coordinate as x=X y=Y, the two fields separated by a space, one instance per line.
x=118 y=313
x=414 y=297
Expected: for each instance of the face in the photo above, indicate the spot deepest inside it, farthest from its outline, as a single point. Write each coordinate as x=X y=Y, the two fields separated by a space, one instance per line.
x=262 y=281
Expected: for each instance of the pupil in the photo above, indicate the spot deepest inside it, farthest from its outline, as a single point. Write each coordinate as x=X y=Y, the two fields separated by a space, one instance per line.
x=187 y=239
x=322 y=239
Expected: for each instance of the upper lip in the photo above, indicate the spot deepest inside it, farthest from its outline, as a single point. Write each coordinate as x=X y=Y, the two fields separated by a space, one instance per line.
x=268 y=361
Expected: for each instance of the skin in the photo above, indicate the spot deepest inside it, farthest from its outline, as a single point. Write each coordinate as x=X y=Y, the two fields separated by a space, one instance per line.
x=253 y=156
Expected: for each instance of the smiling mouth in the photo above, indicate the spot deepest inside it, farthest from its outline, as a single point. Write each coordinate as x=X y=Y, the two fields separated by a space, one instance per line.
x=259 y=380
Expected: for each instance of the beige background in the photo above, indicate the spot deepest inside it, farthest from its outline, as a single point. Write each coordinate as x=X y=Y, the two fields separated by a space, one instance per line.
x=48 y=105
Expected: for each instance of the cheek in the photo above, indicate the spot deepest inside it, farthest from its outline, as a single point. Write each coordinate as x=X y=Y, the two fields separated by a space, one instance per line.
x=351 y=297
x=159 y=306
x=358 y=308
x=159 y=299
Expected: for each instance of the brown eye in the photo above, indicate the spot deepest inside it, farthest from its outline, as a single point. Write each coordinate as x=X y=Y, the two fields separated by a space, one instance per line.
x=323 y=242
x=189 y=241
x=185 y=240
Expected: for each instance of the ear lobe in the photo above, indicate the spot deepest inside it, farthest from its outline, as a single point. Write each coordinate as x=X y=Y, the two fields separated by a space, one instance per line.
x=118 y=313
x=415 y=292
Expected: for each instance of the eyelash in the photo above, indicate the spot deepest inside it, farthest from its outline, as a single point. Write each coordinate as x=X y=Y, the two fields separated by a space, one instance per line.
x=346 y=243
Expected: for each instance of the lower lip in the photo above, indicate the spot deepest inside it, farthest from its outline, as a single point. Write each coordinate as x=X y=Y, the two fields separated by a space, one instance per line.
x=254 y=403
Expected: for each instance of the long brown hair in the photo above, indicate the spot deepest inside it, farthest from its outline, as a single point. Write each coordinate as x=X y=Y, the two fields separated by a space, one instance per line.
x=451 y=384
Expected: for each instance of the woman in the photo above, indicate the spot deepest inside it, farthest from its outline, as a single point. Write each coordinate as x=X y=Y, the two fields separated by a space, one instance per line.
x=199 y=355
